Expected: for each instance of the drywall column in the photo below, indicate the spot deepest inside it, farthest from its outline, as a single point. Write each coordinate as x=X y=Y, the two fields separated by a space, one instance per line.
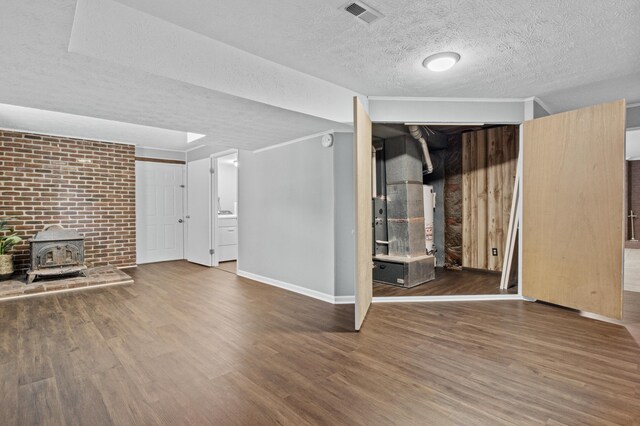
x=344 y=216
x=285 y=217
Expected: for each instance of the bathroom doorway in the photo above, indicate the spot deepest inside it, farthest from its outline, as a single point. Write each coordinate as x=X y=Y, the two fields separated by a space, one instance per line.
x=225 y=219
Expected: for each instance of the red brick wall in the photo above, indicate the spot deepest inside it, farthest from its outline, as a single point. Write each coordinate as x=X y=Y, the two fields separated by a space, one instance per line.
x=81 y=184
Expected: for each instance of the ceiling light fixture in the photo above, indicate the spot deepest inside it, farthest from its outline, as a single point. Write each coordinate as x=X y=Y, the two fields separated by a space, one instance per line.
x=441 y=61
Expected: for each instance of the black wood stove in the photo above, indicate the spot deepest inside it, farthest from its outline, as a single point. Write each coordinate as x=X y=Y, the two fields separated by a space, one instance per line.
x=56 y=251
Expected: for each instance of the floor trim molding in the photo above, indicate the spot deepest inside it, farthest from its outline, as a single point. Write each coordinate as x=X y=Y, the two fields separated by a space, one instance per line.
x=288 y=286
x=345 y=300
x=457 y=298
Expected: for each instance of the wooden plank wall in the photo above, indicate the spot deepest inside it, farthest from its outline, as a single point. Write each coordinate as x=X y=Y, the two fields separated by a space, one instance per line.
x=489 y=160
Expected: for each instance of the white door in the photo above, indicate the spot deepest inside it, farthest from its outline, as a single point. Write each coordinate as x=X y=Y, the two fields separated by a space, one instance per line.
x=159 y=211
x=199 y=219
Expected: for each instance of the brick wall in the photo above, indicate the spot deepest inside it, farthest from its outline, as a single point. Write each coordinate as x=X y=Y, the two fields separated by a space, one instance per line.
x=81 y=184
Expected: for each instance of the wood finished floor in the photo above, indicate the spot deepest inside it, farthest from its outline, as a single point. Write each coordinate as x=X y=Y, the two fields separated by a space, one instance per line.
x=231 y=266
x=192 y=345
x=448 y=282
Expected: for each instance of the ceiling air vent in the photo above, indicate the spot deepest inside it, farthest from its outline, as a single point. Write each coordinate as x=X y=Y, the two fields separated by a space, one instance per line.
x=362 y=11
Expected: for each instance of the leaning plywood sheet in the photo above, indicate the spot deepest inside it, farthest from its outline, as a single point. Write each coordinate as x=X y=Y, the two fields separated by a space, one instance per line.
x=512 y=232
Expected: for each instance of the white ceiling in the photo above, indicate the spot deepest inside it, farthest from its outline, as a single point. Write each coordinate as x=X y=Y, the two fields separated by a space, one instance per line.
x=570 y=54
x=509 y=49
x=61 y=124
x=39 y=72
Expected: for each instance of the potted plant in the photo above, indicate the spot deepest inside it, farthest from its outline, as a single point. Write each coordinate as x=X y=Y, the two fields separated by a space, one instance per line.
x=6 y=243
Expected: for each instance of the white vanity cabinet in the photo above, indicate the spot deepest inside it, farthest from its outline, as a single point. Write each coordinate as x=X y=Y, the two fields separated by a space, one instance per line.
x=227 y=238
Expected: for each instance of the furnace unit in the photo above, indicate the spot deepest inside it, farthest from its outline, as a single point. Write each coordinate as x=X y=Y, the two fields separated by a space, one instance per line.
x=399 y=253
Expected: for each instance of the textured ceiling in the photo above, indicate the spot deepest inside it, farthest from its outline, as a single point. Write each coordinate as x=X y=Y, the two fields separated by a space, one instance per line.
x=509 y=49
x=78 y=126
x=570 y=53
x=39 y=72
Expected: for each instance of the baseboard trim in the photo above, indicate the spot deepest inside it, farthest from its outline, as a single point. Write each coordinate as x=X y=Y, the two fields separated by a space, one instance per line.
x=465 y=298
x=288 y=286
x=631 y=288
x=346 y=300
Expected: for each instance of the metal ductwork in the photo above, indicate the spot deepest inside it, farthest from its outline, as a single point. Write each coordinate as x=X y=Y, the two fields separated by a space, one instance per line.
x=426 y=157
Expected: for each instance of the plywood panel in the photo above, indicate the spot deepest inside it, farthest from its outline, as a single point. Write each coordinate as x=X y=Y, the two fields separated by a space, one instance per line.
x=467 y=217
x=362 y=157
x=473 y=199
x=573 y=208
x=481 y=229
x=466 y=208
x=509 y=171
x=494 y=195
x=488 y=166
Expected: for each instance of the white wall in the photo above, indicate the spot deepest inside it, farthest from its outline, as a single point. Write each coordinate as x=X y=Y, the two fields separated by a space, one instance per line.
x=633 y=117
x=384 y=109
x=286 y=217
x=160 y=153
x=203 y=151
x=344 y=215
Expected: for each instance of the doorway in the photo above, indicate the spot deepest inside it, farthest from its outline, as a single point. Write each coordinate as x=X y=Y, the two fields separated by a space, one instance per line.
x=442 y=202
x=159 y=210
x=225 y=223
x=569 y=200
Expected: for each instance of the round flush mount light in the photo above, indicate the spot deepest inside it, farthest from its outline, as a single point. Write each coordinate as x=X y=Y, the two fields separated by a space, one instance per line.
x=441 y=61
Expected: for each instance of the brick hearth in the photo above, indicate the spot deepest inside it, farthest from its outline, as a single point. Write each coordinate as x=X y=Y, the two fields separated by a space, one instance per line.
x=100 y=276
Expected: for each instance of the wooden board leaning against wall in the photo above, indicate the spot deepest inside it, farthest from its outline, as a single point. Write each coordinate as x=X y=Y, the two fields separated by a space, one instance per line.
x=489 y=164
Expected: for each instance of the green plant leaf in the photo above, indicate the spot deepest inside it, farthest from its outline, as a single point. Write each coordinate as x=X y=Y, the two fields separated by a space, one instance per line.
x=7 y=242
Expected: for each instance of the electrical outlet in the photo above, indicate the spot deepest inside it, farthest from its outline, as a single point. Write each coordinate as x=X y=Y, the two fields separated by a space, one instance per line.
x=494 y=251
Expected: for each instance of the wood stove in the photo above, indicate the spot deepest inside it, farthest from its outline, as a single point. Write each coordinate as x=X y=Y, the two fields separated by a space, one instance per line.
x=56 y=251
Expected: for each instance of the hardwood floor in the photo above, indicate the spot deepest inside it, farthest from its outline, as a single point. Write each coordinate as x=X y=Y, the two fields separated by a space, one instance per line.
x=193 y=345
x=231 y=266
x=449 y=282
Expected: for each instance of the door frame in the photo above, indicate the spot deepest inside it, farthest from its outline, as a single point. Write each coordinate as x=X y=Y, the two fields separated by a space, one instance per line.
x=214 y=207
x=459 y=111
x=183 y=171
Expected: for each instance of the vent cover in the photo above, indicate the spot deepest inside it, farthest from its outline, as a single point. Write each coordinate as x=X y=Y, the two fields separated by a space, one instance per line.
x=362 y=11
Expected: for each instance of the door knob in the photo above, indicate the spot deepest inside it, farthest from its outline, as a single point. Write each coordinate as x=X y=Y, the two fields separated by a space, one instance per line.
x=180 y=221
